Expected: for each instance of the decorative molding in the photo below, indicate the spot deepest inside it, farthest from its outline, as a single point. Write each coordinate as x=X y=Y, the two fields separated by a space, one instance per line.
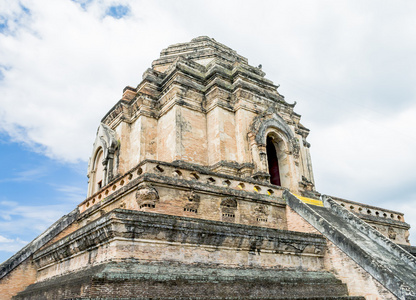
x=229 y=202
x=130 y=224
x=295 y=148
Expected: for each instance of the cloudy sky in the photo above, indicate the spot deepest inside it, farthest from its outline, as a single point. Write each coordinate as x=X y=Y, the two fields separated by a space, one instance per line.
x=349 y=65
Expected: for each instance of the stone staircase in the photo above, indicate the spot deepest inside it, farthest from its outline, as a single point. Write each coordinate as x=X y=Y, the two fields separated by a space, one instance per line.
x=387 y=262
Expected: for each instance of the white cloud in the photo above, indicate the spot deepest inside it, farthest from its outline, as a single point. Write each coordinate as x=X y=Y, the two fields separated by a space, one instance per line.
x=30 y=220
x=31 y=174
x=68 y=67
x=369 y=160
x=71 y=194
x=11 y=245
x=19 y=223
x=370 y=152
x=5 y=240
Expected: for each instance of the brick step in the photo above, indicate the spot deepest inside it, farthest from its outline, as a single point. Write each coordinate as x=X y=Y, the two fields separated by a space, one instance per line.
x=137 y=280
x=230 y=298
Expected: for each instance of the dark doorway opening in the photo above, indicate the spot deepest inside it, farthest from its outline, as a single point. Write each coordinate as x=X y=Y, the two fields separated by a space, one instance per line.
x=273 y=162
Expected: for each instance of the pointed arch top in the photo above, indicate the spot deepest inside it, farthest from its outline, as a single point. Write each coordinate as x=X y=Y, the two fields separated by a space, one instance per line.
x=105 y=140
x=266 y=120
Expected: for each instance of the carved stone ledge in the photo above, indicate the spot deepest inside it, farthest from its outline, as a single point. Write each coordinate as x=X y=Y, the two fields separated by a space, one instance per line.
x=128 y=224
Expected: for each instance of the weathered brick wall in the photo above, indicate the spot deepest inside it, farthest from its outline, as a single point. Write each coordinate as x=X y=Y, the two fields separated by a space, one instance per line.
x=17 y=280
x=176 y=193
x=359 y=282
x=169 y=238
x=70 y=229
x=201 y=290
x=296 y=223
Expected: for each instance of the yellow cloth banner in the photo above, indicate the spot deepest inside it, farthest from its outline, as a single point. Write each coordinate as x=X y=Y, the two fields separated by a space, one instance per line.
x=310 y=200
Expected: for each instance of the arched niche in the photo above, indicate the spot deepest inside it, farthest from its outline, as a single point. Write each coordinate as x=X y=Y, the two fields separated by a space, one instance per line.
x=277 y=156
x=97 y=171
x=273 y=162
x=105 y=146
x=270 y=133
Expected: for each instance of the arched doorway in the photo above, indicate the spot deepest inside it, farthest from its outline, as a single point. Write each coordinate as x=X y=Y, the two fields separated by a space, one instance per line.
x=273 y=162
x=98 y=170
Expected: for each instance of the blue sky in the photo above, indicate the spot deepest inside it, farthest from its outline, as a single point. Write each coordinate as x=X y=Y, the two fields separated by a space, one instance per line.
x=35 y=192
x=349 y=65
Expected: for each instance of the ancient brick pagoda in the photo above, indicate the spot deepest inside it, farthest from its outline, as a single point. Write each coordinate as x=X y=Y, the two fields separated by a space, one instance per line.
x=201 y=186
